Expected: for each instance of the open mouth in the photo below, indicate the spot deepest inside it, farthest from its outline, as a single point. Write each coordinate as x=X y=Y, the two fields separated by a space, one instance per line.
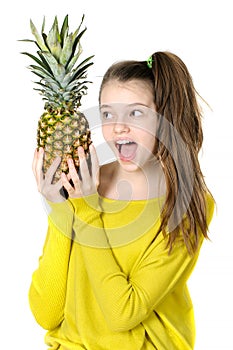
x=127 y=149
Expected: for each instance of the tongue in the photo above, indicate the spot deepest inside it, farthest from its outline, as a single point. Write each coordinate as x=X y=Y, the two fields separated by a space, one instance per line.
x=128 y=150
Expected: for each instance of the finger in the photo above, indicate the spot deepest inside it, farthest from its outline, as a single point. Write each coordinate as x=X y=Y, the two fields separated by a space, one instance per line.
x=65 y=182
x=34 y=161
x=94 y=164
x=38 y=167
x=73 y=175
x=85 y=174
x=52 y=169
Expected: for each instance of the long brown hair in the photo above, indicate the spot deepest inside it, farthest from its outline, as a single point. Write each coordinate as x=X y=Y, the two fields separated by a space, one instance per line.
x=179 y=140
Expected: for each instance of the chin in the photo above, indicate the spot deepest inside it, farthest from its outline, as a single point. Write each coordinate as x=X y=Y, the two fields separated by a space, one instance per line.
x=129 y=166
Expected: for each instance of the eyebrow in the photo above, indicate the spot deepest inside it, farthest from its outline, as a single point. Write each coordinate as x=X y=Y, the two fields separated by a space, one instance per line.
x=128 y=104
x=105 y=106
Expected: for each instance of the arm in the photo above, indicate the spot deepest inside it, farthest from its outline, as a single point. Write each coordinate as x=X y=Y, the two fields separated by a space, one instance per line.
x=127 y=300
x=48 y=287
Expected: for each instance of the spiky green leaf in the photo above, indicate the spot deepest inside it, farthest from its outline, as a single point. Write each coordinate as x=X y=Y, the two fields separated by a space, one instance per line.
x=83 y=63
x=82 y=67
x=53 y=40
x=64 y=30
x=28 y=40
x=66 y=51
x=35 y=59
x=45 y=62
x=52 y=82
x=66 y=95
x=43 y=26
x=51 y=86
x=74 y=58
x=66 y=80
x=77 y=73
x=31 y=41
x=39 y=39
x=60 y=76
x=78 y=86
x=57 y=69
x=78 y=29
x=45 y=41
x=76 y=41
x=38 y=70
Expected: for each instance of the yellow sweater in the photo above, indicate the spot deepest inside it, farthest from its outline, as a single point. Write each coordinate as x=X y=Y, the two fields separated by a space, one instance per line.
x=105 y=281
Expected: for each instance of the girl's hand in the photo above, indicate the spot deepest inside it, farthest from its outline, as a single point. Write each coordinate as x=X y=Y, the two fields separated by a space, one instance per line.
x=85 y=183
x=44 y=181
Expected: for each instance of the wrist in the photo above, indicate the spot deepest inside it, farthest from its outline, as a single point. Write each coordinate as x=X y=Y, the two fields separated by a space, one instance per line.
x=58 y=198
x=85 y=203
x=87 y=210
x=60 y=214
x=88 y=224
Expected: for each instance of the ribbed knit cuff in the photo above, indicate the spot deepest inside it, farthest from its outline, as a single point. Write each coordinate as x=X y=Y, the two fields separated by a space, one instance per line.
x=87 y=204
x=88 y=224
x=62 y=216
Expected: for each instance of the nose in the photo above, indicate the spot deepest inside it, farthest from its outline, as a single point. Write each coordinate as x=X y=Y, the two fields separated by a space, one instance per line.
x=121 y=126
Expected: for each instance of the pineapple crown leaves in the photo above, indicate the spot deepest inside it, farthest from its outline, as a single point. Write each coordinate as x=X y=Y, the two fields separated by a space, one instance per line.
x=61 y=79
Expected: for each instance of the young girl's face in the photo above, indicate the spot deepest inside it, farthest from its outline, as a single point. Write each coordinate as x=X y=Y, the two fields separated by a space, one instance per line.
x=129 y=122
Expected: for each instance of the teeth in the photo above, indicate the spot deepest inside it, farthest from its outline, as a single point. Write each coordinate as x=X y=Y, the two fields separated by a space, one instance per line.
x=123 y=142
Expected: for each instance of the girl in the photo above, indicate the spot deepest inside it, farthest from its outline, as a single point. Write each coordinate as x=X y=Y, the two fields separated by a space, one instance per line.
x=120 y=249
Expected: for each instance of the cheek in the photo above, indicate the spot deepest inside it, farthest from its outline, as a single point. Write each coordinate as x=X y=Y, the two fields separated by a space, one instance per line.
x=107 y=132
x=150 y=144
x=151 y=139
x=147 y=138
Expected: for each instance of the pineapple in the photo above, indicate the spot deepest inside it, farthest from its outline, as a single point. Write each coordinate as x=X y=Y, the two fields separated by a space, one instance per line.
x=62 y=128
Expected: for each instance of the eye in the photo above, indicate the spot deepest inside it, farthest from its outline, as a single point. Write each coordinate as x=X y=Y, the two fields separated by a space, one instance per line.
x=136 y=114
x=106 y=115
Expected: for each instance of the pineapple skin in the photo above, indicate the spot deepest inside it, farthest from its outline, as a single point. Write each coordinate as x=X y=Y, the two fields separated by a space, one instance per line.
x=60 y=132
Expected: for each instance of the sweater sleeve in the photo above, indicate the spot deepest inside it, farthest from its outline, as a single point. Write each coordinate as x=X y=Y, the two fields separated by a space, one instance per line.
x=127 y=300
x=48 y=287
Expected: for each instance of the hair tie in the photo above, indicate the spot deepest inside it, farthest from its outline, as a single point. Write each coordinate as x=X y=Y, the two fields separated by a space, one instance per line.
x=149 y=62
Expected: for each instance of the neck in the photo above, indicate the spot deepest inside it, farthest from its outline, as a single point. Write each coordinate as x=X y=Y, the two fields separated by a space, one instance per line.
x=139 y=184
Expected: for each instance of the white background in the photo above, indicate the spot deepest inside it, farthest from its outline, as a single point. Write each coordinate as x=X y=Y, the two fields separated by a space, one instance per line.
x=201 y=33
